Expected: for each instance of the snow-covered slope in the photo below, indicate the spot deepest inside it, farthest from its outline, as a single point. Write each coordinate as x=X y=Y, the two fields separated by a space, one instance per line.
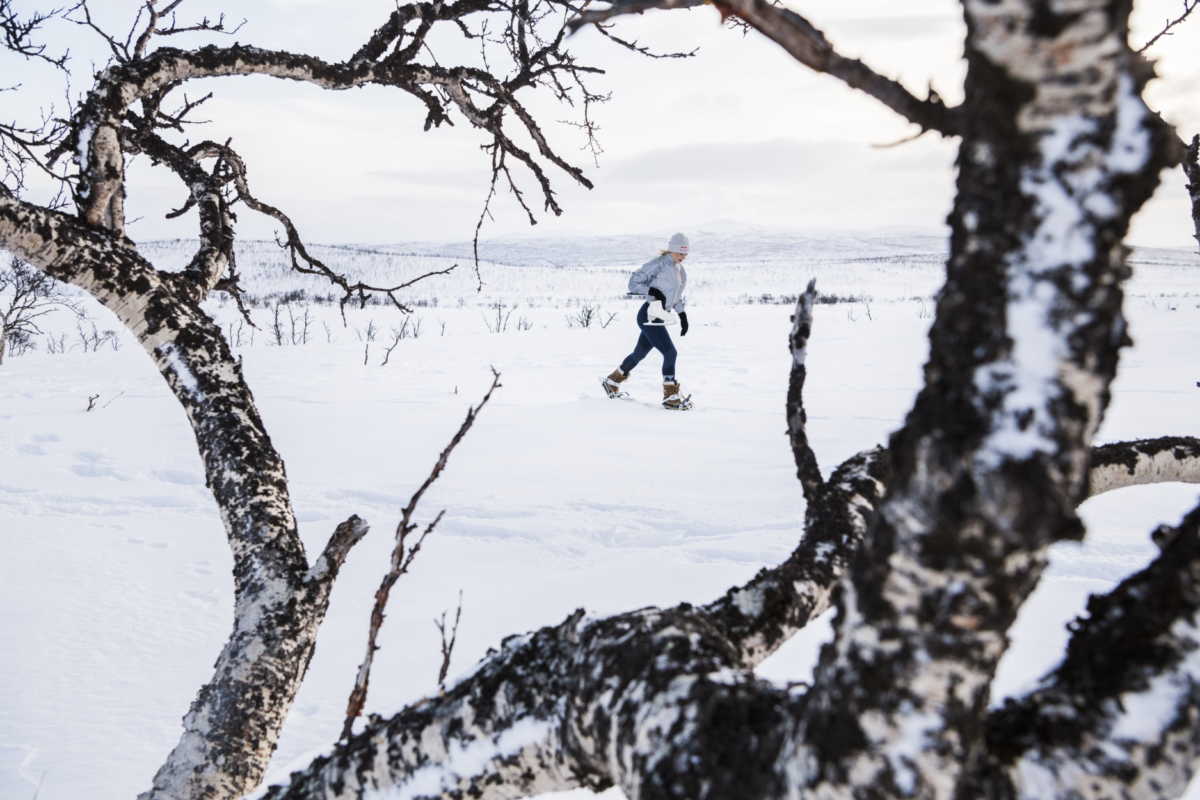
x=115 y=582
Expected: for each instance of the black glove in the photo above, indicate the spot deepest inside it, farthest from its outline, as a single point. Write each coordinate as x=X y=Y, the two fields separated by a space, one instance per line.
x=683 y=323
x=657 y=295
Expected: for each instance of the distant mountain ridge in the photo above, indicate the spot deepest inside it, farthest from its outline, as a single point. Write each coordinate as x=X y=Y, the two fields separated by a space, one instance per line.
x=725 y=265
x=742 y=245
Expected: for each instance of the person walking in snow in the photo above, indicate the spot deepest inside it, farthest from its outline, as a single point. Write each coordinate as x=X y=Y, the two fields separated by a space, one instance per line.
x=661 y=280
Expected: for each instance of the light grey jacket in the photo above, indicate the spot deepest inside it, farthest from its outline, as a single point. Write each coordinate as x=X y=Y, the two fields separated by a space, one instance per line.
x=664 y=274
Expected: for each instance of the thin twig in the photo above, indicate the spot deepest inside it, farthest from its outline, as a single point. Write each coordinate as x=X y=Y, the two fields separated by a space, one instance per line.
x=1188 y=8
x=402 y=560
x=448 y=644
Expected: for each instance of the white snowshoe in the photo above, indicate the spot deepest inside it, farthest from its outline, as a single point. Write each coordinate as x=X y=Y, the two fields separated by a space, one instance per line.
x=673 y=400
x=685 y=404
x=612 y=386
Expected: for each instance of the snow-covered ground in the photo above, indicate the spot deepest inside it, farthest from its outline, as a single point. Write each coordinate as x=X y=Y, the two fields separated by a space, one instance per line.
x=115 y=580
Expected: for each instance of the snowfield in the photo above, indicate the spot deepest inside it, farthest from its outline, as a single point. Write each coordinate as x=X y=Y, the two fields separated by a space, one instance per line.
x=115 y=582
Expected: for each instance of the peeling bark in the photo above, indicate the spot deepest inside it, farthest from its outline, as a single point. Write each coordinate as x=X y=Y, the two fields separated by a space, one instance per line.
x=639 y=700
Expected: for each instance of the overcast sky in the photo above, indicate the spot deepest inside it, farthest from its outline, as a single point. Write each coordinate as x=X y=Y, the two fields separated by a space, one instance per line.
x=739 y=135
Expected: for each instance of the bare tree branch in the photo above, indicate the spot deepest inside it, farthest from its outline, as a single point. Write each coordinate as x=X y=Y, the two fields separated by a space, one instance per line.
x=1162 y=460
x=808 y=45
x=301 y=260
x=1188 y=7
x=345 y=536
x=18 y=33
x=807 y=469
x=125 y=82
x=118 y=48
x=401 y=560
x=210 y=265
x=26 y=296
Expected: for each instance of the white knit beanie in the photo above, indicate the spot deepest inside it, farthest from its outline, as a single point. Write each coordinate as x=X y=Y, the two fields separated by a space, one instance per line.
x=678 y=244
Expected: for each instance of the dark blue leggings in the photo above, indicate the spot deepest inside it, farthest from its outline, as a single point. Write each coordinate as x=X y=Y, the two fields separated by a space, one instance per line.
x=653 y=337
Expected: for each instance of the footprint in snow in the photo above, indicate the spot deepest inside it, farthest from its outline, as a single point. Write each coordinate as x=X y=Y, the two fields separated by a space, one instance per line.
x=160 y=501
x=208 y=598
x=143 y=542
x=94 y=465
x=178 y=477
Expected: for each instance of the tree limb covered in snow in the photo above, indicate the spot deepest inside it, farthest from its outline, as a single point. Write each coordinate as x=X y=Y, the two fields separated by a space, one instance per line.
x=1162 y=460
x=27 y=295
x=1122 y=707
x=636 y=700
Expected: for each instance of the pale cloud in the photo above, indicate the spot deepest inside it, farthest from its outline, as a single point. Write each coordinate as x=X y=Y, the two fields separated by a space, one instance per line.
x=779 y=162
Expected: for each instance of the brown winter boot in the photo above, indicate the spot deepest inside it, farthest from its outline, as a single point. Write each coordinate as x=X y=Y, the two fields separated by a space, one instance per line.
x=672 y=399
x=612 y=384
